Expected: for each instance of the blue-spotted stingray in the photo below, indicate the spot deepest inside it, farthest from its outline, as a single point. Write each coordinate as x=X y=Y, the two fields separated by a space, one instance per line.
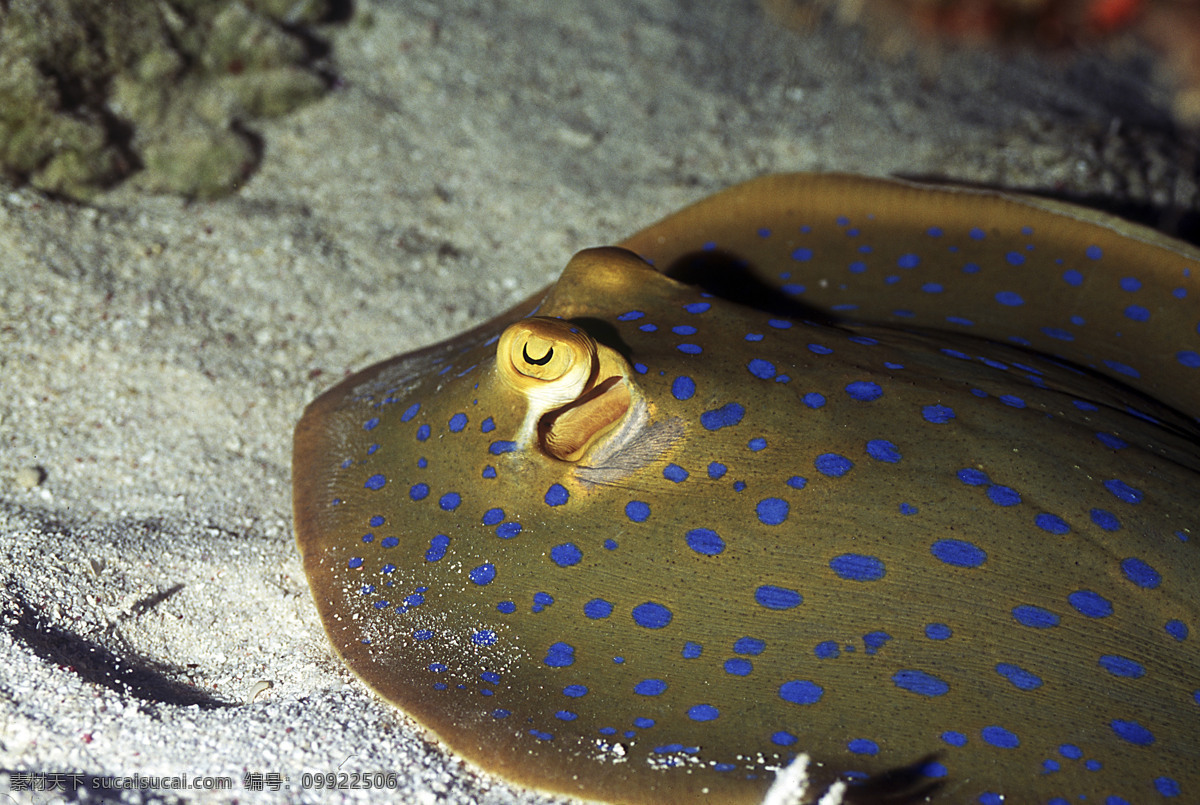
x=900 y=477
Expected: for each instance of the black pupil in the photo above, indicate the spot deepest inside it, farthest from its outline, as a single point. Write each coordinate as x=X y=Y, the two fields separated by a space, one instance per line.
x=542 y=361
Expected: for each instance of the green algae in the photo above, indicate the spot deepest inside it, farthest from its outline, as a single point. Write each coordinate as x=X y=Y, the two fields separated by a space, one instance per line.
x=157 y=92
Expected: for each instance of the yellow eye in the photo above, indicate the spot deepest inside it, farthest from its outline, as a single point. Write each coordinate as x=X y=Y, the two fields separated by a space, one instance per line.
x=546 y=359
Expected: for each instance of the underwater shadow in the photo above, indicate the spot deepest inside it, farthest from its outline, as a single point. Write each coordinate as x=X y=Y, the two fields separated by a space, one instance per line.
x=128 y=676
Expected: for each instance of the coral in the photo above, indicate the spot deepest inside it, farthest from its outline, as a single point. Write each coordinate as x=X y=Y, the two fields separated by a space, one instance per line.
x=155 y=92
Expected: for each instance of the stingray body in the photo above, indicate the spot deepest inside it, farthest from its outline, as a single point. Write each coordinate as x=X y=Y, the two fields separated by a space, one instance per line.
x=907 y=479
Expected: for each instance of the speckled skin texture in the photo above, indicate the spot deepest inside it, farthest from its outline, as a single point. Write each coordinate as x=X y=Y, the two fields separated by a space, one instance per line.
x=913 y=491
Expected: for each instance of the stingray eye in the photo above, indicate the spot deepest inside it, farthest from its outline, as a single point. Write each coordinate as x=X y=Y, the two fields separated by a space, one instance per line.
x=545 y=353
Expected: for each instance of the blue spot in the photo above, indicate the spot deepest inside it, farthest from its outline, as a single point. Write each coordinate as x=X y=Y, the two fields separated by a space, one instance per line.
x=437 y=548
x=802 y=254
x=1122 y=369
x=908 y=261
x=557 y=495
x=1000 y=737
x=692 y=650
x=1060 y=334
x=419 y=491
x=410 y=412
x=1012 y=400
x=1072 y=277
x=958 y=552
x=757 y=443
x=833 y=465
x=764 y=370
x=1010 y=298
x=566 y=715
x=560 y=655
x=797 y=482
x=697 y=307
x=423 y=432
x=566 y=555
x=675 y=473
x=799 y=691
x=422 y=634
x=371 y=423
x=507 y=607
x=933 y=287
x=650 y=687
x=489 y=471
x=502 y=446
x=1137 y=313
x=1131 y=284
x=827 y=650
x=1123 y=491
x=1051 y=523
x=457 y=423
x=1122 y=666
x=703 y=712
x=1034 y=617
x=1019 y=676
x=813 y=399
x=1140 y=573
x=483 y=637
x=637 y=511
x=1132 y=732
x=355 y=563
x=972 y=477
x=575 y=691
x=773 y=597
x=542 y=736
x=1166 y=786
x=780 y=324
x=376 y=521
x=772 y=511
x=1094 y=252
x=690 y=349
x=651 y=615
x=684 y=329
x=883 y=450
x=857 y=567
x=493 y=516
x=487 y=426
x=1003 y=495
x=508 y=530
x=738 y=667
x=862 y=746
x=632 y=315
x=541 y=601
x=1105 y=519
x=683 y=387
x=597 y=609
x=375 y=482
x=920 y=682
x=717 y=470
x=782 y=738
x=864 y=390
x=705 y=541
x=938 y=631
x=1014 y=258
x=937 y=414
x=726 y=416
x=389 y=542
x=749 y=645
x=449 y=501
x=819 y=349
x=954 y=738
x=1090 y=604
x=1175 y=628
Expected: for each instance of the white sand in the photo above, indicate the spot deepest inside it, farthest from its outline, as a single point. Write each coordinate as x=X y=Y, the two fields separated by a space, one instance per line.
x=156 y=354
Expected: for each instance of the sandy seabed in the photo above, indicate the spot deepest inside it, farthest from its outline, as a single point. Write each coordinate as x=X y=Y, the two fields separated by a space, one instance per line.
x=157 y=353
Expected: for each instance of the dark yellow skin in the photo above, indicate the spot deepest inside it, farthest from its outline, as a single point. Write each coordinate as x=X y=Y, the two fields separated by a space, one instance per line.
x=587 y=407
